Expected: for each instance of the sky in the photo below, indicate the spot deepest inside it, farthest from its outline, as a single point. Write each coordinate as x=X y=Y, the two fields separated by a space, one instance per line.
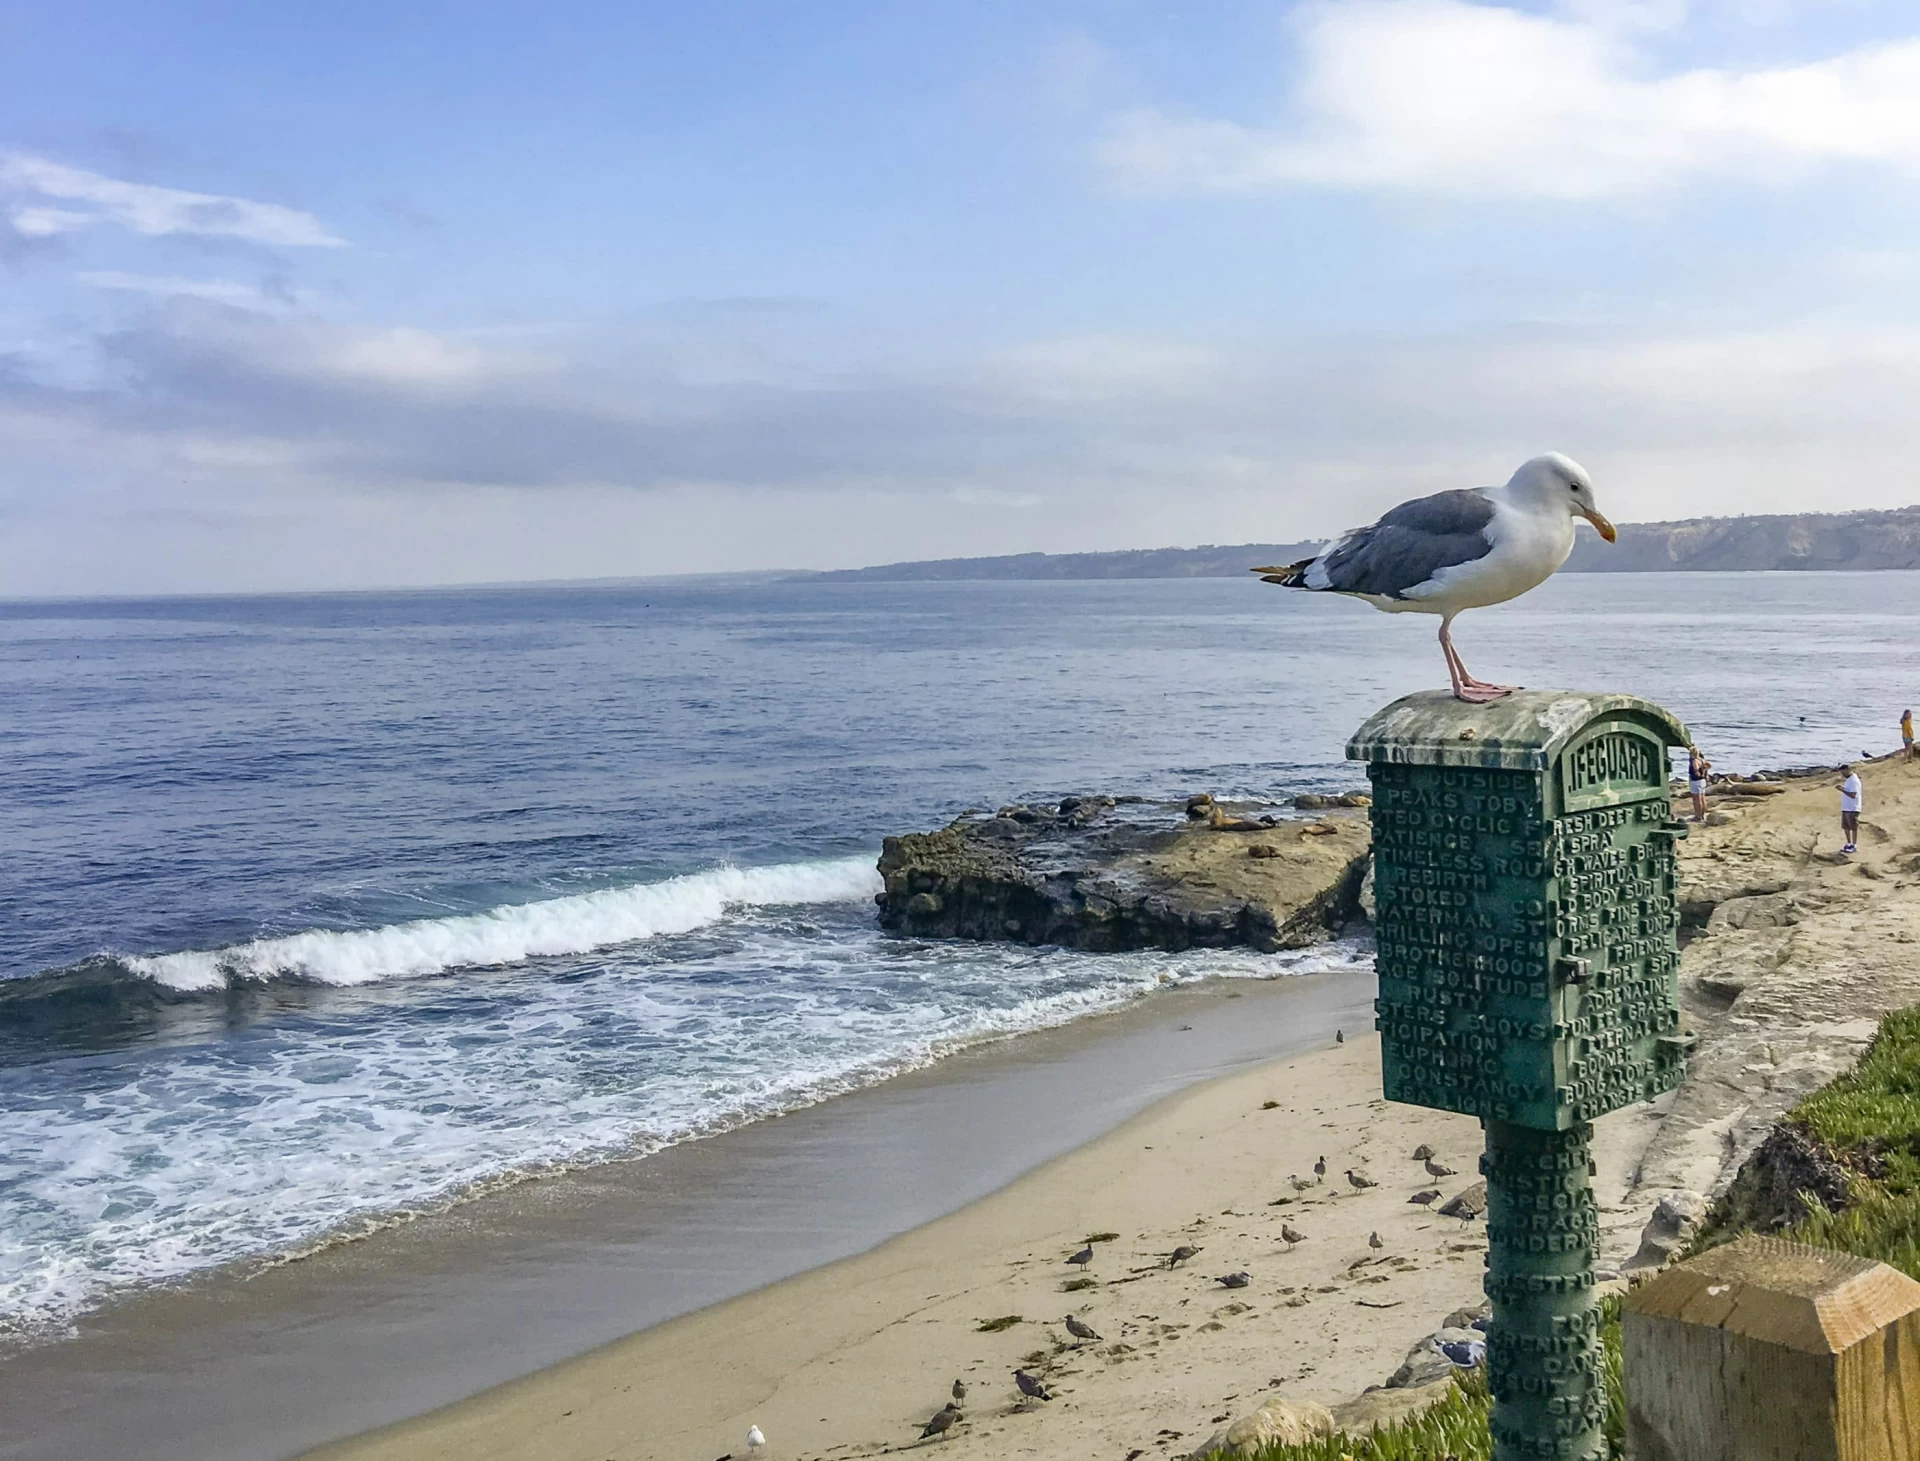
x=357 y=295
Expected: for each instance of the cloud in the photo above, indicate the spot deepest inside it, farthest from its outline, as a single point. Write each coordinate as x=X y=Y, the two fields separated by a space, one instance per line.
x=43 y=199
x=197 y=386
x=220 y=427
x=169 y=286
x=1476 y=100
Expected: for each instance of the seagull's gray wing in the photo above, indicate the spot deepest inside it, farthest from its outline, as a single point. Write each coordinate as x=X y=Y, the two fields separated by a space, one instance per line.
x=1409 y=545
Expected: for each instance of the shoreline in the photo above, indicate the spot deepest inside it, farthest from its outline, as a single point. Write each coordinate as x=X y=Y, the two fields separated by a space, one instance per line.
x=421 y=1313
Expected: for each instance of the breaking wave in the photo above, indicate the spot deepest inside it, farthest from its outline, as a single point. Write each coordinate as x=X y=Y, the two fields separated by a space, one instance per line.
x=576 y=924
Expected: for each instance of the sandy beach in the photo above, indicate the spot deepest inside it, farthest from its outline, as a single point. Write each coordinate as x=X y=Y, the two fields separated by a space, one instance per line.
x=851 y=1359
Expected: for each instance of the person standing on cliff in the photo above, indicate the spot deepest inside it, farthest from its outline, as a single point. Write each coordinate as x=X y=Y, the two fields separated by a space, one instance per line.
x=1697 y=768
x=1850 y=809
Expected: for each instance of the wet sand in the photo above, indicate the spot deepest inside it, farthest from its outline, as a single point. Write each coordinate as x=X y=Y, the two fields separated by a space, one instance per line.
x=419 y=1315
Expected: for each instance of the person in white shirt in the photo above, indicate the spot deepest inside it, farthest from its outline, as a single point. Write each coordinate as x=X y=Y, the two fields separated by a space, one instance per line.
x=1850 y=809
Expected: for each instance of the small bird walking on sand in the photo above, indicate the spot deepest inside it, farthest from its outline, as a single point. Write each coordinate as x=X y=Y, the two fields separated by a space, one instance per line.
x=1079 y=1328
x=1435 y=1169
x=1320 y=1167
x=1291 y=1236
x=1234 y=1280
x=959 y=1392
x=1359 y=1182
x=754 y=1439
x=1030 y=1387
x=1373 y=1242
x=1299 y=1184
x=1083 y=1257
x=1181 y=1254
x=942 y=1422
x=1339 y=1037
x=1426 y=1198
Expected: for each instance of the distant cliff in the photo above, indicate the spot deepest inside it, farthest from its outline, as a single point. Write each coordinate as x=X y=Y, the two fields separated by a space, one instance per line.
x=1794 y=541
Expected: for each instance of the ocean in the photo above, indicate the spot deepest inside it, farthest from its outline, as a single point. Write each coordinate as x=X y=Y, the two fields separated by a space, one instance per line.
x=322 y=911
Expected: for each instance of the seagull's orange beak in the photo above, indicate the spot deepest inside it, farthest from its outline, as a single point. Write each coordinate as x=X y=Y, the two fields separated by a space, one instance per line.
x=1605 y=527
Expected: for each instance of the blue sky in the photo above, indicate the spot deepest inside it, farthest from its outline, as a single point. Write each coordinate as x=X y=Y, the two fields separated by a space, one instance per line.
x=297 y=297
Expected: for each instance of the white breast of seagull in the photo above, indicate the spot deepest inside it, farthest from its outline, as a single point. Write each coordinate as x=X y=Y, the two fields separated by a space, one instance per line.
x=1530 y=541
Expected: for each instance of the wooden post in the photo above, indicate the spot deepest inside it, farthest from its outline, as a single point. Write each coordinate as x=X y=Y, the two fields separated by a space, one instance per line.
x=1771 y=1351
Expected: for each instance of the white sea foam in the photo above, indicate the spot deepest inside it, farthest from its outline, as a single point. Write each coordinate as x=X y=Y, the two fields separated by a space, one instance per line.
x=576 y=924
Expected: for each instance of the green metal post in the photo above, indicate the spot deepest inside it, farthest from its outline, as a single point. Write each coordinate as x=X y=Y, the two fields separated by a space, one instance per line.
x=1543 y=1349
x=1526 y=945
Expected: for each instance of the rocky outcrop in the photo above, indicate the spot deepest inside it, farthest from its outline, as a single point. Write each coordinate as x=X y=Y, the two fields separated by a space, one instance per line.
x=1797 y=953
x=1098 y=874
x=1279 y=1422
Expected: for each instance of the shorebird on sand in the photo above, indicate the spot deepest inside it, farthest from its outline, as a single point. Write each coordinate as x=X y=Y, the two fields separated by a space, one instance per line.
x=1083 y=1257
x=1458 y=550
x=1320 y=1167
x=1435 y=1169
x=1181 y=1254
x=1339 y=1037
x=959 y=1392
x=1373 y=1242
x=1291 y=1236
x=754 y=1439
x=1234 y=1280
x=1030 y=1387
x=1427 y=1197
x=1079 y=1328
x=942 y=1422
x=1299 y=1184
x=1359 y=1182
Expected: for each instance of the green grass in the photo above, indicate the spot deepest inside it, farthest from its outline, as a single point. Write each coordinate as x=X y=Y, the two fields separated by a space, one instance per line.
x=1870 y=1117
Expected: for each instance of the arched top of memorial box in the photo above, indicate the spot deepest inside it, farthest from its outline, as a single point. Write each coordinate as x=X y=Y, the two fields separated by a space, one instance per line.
x=1524 y=731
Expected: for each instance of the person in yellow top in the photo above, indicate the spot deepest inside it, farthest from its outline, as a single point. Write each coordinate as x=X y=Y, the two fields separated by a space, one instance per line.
x=1906 y=731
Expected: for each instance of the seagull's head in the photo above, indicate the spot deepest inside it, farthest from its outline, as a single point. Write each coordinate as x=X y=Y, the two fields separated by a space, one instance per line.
x=1557 y=479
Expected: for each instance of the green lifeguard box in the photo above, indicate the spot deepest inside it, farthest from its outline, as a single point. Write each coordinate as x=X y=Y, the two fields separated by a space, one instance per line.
x=1527 y=944
x=1528 y=918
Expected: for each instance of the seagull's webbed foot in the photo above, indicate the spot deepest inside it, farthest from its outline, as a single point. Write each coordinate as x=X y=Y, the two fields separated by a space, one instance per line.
x=1479 y=692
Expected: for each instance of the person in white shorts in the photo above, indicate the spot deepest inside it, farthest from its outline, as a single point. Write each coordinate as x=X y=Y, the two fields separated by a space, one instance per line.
x=1697 y=768
x=1850 y=809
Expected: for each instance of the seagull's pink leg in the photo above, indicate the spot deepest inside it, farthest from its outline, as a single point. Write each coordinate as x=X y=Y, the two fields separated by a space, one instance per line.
x=1465 y=687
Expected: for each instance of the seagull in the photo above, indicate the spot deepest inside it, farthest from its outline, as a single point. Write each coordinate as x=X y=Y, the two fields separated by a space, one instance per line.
x=1458 y=550
x=1436 y=1169
x=1181 y=1254
x=754 y=1439
x=1291 y=1236
x=1466 y=1353
x=941 y=1423
x=1359 y=1182
x=959 y=1392
x=1030 y=1387
x=1299 y=1184
x=1079 y=1328
x=1429 y=1196
x=1083 y=1257
x=1234 y=1280
x=1339 y=1037
x=1373 y=1242
x=1320 y=1167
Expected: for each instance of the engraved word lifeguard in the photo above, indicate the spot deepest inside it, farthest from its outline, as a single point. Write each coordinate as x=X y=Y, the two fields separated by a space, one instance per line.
x=1610 y=758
